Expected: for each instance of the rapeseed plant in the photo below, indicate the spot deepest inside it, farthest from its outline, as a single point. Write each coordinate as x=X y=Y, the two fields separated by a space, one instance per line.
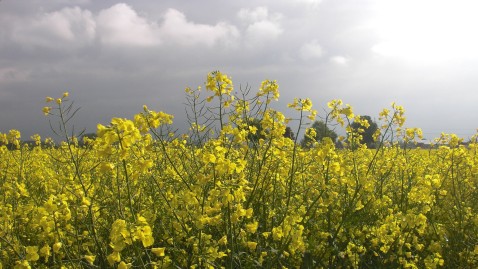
x=234 y=192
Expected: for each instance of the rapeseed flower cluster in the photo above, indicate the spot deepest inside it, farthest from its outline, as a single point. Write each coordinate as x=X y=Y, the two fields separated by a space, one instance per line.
x=235 y=192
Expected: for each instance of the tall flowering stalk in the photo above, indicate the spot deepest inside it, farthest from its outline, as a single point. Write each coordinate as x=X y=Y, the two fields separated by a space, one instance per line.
x=235 y=192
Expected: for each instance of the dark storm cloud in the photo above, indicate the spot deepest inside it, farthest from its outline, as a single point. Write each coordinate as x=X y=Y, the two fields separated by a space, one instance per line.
x=115 y=56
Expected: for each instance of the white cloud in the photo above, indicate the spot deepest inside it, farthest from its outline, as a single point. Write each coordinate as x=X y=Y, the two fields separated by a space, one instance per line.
x=176 y=29
x=253 y=15
x=312 y=3
x=120 y=25
x=260 y=32
x=67 y=28
x=311 y=50
x=339 y=60
x=433 y=31
x=262 y=27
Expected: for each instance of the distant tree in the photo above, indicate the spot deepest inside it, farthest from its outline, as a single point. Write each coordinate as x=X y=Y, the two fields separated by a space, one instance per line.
x=289 y=133
x=258 y=135
x=367 y=135
x=321 y=131
x=91 y=136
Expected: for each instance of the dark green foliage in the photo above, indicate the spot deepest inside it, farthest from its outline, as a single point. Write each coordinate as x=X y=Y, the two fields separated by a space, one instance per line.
x=322 y=131
x=289 y=133
x=258 y=135
x=367 y=134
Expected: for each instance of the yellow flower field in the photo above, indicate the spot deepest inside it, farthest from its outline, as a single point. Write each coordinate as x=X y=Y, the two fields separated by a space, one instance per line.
x=231 y=195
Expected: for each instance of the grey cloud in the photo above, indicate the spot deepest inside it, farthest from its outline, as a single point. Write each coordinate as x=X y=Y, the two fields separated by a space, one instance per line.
x=115 y=56
x=311 y=50
x=64 y=29
x=178 y=30
x=261 y=26
x=120 y=25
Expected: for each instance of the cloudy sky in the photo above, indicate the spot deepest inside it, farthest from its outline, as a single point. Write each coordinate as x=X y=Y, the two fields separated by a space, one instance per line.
x=115 y=56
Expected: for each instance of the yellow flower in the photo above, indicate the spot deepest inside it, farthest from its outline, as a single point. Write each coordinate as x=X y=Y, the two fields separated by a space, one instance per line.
x=46 y=110
x=113 y=258
x=22 y=265
x=222 y=241
x=145 y=234
x=119 y=235
x=249 y=212
x=347 y=111
x=65 y=94
x=252 y=227
x=269 y=87
x=49 y=99
x=85 y=201
x=306 y=104
x=106 y=167
x=210 y=158
x=56 y=247
x=58 y=101
x=158 y=251
x=219 y=83
x=251 y=245
x=277 y=233
x=359 y=205
x=45 y=251
x=123 y=265
x=90 y=258
x=32 y=253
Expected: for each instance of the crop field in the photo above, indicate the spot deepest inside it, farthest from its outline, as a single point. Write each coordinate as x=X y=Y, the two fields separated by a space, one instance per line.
x=231 y=194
